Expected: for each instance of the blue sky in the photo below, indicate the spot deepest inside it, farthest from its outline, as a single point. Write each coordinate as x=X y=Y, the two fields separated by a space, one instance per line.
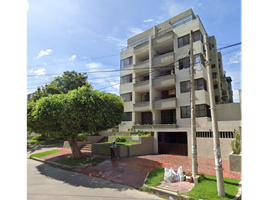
x=87 y=35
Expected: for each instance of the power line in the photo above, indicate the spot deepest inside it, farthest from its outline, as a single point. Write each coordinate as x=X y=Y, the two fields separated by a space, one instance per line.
x=108 y=71
x=71 y=61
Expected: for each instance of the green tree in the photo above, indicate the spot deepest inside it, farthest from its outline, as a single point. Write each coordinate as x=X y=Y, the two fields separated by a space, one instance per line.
x=70 y=80
x=82 y=110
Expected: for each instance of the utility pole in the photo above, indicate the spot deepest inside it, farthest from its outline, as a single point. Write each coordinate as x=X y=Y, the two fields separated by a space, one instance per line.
x=193 y=116
x=216 y=141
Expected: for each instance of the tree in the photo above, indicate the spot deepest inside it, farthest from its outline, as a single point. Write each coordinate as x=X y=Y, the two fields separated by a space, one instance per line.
x=82 y=110
x=70 y=80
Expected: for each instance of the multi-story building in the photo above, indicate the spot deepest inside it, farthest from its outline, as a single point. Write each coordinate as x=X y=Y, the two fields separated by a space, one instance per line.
x=155 y=86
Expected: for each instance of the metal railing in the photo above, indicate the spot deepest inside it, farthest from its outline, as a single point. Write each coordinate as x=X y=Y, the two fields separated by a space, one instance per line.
x=145 y=39
x=165 y=121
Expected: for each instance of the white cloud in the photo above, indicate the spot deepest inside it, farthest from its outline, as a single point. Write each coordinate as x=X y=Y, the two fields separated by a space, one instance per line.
x=134 y=31
x=42 y=53
x=148 y=20
x=235 y=59
x=40 y=72
x=72 y=58
x=119 y=42
x=95 y=66
x=31 y=71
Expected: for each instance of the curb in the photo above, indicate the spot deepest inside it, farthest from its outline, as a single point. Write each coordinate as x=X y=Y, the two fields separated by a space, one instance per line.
x=163 y=192
x=174 y=195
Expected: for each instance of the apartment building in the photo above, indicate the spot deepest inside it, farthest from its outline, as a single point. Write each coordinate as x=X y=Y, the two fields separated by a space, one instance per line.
x=155 y=86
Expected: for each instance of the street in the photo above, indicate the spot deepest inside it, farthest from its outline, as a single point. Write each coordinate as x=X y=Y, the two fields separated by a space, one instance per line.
x=46 y=182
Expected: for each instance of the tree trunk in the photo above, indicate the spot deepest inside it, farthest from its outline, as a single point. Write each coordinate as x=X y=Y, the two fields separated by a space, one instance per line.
x=76 y=153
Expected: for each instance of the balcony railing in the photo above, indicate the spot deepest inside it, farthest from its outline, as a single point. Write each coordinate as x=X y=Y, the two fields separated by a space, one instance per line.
x=175 y=25
x=165 y=121
x=144 y=122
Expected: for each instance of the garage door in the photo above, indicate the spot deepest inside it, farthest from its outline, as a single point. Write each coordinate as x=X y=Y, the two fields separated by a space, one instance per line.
x=173 y=143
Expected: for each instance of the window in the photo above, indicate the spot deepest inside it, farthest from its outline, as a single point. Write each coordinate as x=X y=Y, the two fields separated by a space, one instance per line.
x=145 y=97
x=183 y=41
x=126 y=79
x=184 y=63
x=214 y=75
x=197 y=36
x=200 y=84
x=198 y=60
x=126 y=97
x=213 y=66
x=126 y=62
x=168 y=93
x=201 y=110
x=127 y=116
x=216 y=86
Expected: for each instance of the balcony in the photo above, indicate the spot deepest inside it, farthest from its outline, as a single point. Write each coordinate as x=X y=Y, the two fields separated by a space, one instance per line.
x=167 y=103
x=215 y=77
x=141 y=106
x=141 y=47
x=164 y=59
x=141 y=86
x=162 y=37
x=141 y=66
x=160 y=82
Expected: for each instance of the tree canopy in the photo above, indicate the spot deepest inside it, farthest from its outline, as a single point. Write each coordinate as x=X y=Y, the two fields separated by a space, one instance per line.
x=82 y=110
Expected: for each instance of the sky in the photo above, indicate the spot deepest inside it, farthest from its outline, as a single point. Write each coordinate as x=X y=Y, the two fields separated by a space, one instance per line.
x=88 y=35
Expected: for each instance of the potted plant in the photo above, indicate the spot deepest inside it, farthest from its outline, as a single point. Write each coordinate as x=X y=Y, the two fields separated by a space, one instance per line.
x=235 y=155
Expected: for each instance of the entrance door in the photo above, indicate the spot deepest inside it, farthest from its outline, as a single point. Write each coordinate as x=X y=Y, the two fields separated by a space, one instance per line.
x=173 y=143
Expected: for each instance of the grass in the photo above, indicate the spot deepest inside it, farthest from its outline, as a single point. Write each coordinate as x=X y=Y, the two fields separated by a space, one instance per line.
x=155 y=177
x=121 y=143
x=79 y=161
x=54 y=141
x=205 y=189
x=39 y=155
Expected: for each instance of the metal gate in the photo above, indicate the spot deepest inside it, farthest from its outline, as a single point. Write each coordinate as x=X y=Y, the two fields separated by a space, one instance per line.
x=173 y=143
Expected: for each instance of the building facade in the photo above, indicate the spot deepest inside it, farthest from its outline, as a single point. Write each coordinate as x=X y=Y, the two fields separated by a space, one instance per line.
x=155 y=86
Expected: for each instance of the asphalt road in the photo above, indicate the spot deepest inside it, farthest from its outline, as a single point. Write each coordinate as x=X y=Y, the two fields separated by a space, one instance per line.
x=46 y=182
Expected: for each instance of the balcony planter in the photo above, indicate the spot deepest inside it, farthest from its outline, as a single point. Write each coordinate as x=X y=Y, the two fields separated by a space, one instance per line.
x=235 y=162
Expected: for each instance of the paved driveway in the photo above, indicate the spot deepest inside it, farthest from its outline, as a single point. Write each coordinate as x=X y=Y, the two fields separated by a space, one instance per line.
x=45 y=183
x=132 y=171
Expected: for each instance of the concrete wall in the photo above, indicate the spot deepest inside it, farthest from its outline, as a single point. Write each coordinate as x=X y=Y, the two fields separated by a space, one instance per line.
x=205 y=147
x=228 y=112
x=93 y=139
x=145 y=147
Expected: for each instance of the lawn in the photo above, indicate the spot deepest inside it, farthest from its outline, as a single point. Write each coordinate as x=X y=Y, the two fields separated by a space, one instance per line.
x=79 y=161
x=155 y=177
x=205 y=189
x=39 y=155
x=54 y=141
x=121 y=143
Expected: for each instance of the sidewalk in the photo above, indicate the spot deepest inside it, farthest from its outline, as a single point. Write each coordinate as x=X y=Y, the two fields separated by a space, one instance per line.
x=132 y=171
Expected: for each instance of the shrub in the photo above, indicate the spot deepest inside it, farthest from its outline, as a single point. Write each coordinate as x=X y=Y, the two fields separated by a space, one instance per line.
x=81 y=137
x=38 y=137
x=236 y=143
x=120 y=139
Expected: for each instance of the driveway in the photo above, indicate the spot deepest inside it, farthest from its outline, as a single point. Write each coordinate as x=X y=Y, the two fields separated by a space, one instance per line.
x=45 y=183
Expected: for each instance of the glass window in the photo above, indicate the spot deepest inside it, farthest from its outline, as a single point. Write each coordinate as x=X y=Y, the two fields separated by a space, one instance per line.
x=126 y=97
x=126 y=62
x=126 y=79
x=185 y=40
x=201 y=110
x=127 y=116
x=184 y=63
x=197 y=35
